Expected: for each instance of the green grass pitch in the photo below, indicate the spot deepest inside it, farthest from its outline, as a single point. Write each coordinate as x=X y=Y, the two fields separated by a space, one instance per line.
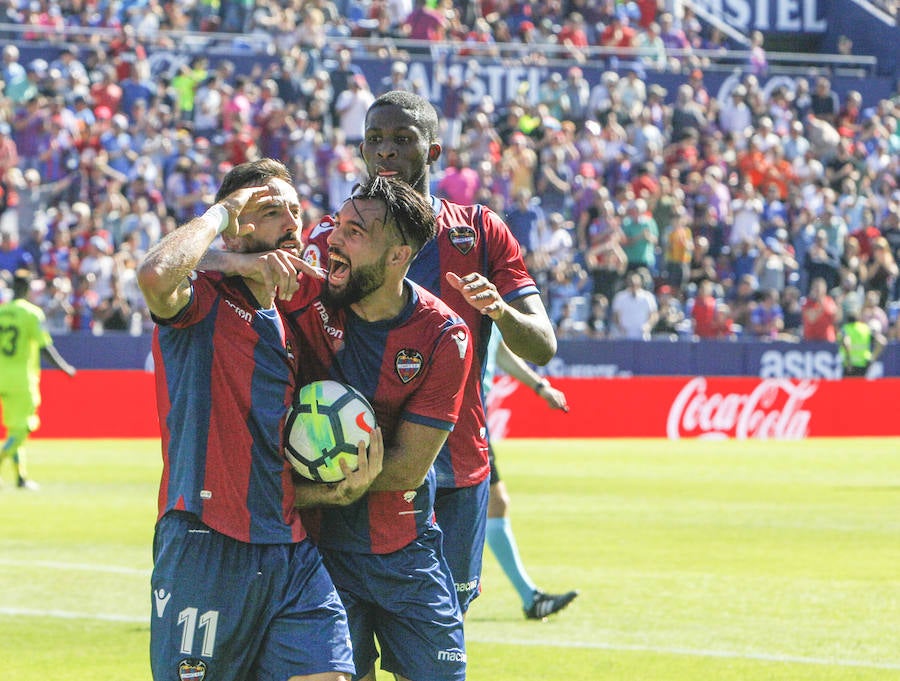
x=696 y=561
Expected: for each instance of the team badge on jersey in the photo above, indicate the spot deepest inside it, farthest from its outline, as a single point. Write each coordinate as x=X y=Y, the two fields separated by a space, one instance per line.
x=462 y=237
x=192 y=670
x=408 y=364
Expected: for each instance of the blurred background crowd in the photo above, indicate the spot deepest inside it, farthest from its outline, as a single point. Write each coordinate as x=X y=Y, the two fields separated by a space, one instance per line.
x=643 y=213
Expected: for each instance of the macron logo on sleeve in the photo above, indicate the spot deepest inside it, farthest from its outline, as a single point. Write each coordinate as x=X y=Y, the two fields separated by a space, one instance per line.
x=461 y=338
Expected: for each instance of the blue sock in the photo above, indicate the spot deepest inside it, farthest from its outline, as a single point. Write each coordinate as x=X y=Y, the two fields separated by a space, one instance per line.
x=503 y=545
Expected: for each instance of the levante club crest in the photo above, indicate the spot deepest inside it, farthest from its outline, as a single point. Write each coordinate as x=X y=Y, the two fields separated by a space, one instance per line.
x=408 y=364
x=191 y=670
x=462 y=237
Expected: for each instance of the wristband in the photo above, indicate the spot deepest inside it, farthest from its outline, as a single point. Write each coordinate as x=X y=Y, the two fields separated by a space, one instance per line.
x=540 y=385
x=221 y=215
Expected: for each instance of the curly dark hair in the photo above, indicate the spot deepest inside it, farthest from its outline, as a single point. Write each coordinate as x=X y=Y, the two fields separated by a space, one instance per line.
x=411 y=212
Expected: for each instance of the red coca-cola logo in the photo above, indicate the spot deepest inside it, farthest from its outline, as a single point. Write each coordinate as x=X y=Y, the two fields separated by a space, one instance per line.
x=498 y=415
x=772 y=410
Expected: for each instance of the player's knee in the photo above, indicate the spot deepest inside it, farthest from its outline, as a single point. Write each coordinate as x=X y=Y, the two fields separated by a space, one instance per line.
x=14 y=439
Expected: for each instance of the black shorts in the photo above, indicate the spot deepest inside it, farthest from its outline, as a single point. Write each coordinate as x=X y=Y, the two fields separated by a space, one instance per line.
x=851 y=371
x=495 y=472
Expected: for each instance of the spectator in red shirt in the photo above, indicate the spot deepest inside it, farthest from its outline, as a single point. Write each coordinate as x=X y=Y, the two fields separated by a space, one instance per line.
x=618 y=34
x=714 y=318
x=867 y=234
x=704 y=310
x=648 y=9
x=779 y=172
x=753 y=163
x=820 y=313
x=848 y=118
x=106 y=91
x=573 y=36
x=645 y=185
x=240 y=144
x=424 y=23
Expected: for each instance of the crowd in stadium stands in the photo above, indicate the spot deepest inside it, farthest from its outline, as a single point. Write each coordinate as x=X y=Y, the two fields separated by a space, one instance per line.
x=642 y=215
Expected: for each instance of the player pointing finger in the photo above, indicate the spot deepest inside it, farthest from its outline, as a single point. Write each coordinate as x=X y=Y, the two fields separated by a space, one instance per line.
x=479 y=293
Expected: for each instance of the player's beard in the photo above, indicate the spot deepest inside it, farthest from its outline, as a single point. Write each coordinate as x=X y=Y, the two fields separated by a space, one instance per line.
x=362 y=281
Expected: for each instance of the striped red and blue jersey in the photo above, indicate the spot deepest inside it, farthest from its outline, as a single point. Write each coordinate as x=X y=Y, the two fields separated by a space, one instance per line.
x=225 y=376
x=411 y=368
x=470 y=239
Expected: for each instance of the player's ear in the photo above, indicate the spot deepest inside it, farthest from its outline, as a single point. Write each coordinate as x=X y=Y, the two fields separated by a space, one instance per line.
x=401 y=254
x=434 y=152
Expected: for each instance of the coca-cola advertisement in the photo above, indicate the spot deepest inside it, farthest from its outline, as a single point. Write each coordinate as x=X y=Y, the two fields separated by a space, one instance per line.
x=774 y=408
x=699 y=407
x=91 y=405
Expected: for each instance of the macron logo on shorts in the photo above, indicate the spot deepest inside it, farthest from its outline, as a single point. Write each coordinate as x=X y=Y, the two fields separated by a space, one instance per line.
x=451 y=656
x=162 y=600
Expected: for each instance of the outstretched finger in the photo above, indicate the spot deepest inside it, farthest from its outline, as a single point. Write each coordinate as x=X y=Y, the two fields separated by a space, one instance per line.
x=375 y=458
x=454 y=280
x=310 y=270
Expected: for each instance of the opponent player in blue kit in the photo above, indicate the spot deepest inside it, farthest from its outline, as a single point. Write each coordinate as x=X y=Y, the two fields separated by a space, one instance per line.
x=409 y=354
x=239 y=592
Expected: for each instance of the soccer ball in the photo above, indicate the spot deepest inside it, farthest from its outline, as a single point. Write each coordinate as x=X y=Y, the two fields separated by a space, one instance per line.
x=325 y=422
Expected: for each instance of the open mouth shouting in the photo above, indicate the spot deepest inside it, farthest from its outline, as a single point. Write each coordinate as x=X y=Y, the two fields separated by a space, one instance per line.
x=338 y=269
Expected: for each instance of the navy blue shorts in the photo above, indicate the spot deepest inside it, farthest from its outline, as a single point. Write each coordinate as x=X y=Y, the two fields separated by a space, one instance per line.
x=405 y=599
x=229 y=611
x=462 y=516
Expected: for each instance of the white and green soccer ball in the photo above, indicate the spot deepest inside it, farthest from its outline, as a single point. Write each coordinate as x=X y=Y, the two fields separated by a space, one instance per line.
x=325 y=422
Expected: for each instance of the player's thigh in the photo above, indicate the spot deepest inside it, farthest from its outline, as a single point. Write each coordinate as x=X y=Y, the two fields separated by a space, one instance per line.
x=203 y=591
x=352 y=580
x=19 y=409
x=310 y=611
x=420 y=625
x=462 y=516
x=231 y=610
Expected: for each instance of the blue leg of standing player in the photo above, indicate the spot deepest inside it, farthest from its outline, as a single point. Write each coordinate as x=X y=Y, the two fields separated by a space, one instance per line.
x=502 y=542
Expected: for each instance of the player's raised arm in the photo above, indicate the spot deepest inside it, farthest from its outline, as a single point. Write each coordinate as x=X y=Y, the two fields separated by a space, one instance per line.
x=163 y=274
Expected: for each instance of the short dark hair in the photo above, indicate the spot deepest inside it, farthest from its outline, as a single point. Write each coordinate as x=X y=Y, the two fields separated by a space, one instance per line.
x=411 y=212
x=418 y=107
x=252 y=174
x=21 y=282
